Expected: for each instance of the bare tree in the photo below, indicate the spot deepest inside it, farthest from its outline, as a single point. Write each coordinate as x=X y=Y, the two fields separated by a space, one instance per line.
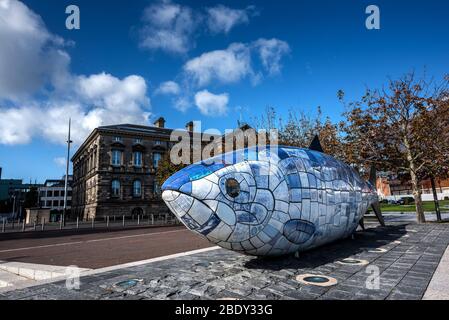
x=390 y=127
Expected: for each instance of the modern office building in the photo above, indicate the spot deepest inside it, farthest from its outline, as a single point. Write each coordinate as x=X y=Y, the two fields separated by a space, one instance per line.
x=52 y=193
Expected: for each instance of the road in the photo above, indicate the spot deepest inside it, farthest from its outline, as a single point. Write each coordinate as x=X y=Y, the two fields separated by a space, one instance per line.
x=99 y=249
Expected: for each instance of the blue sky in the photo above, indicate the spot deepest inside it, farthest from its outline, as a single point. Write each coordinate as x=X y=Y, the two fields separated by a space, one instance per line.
x=219 y=60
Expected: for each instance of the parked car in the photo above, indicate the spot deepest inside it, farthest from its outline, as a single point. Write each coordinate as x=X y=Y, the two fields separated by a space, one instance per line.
x=406 y=201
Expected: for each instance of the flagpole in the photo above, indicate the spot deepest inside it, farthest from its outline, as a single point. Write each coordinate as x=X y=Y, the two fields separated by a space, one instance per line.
x=66 y=174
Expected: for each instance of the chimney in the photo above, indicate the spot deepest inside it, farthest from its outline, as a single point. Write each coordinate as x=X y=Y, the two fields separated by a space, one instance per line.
x=189 y=126
x=160 y=123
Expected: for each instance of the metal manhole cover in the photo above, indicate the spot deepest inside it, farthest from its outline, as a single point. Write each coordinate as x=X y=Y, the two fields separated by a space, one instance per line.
x=378 y=250
x=127 y=283
x=354 y=262
x=316 y=280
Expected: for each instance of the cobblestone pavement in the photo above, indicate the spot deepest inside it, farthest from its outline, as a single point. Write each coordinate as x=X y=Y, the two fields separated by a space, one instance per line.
x=410 y=255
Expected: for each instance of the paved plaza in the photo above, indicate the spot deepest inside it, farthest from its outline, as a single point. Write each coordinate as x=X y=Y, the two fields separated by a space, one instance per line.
x=405 y=254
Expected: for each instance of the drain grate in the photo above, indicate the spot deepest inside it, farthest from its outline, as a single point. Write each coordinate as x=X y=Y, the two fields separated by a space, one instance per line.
x=316 y=280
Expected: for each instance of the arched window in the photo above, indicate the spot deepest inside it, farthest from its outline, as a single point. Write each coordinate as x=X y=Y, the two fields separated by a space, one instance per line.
x=115 y=188
x=137 y=188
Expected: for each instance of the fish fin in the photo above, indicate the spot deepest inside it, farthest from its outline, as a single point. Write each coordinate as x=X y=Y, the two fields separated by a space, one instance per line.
x=362 y=224
x=376 y=208
x=373 y=176
x=315 y=145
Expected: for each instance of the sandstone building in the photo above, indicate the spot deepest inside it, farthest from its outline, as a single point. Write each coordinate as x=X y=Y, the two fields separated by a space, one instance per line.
x=114 y=170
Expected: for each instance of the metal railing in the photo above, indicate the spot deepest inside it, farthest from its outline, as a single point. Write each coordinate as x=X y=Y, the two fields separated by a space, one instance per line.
x=106 y=222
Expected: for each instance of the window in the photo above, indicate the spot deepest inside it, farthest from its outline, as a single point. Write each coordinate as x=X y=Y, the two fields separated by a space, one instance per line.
x=137 y=159
x=115 y=188
x=137 y=141
x=117 y=139
x=48 y=203
x=62 y=193
x=157 y=190
x=116 y=157
x=156 y=158
x=157 y=142
x=56 y=193
x=49 y=193
x=137 y=188
x=55 y=203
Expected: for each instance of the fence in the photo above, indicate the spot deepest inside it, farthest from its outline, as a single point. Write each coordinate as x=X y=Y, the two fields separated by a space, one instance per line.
x=107 y=222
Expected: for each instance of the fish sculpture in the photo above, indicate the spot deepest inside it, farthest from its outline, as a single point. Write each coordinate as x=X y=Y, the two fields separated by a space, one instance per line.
x=271 y=201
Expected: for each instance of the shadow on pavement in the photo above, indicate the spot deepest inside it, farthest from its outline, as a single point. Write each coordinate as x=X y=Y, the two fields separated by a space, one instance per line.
x=371 y=238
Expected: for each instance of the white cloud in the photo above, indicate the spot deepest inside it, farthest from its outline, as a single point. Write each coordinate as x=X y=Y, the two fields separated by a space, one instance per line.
x=211 y=104
x=271 y=52
x=60 y=161
x=96 y=100
x=38 y=93
x=236 y=63
x=182 y=104
x=168 y=27
x=24 y=66
x=171 y=27
x=168 y=88
x=226 y=66
x=221 y=19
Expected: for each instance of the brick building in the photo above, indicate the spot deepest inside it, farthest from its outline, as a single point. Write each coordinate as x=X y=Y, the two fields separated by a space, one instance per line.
x=395 y=188
x=114 y=170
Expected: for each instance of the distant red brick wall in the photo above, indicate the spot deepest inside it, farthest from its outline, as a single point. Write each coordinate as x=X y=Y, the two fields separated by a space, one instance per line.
x=383 y=187
x=395 y=187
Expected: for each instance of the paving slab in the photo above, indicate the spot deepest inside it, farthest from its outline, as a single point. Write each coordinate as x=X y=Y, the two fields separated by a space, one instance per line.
x=403 y=269
x=438 y=288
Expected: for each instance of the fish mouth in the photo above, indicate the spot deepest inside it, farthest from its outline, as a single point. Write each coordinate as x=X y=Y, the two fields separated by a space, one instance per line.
x=193 y=213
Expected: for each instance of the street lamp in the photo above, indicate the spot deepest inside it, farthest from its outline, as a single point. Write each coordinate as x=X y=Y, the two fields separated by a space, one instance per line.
x=66 y=174
x=14 y=206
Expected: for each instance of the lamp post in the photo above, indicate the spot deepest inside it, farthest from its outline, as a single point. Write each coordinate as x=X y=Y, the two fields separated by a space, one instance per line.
x=66 y=174
x=14 y=207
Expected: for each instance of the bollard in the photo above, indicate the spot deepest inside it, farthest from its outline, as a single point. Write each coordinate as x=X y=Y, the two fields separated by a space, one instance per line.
x=152 y=219
x=23 y=225
x=34 y=225
x=4 y=225
x=77 y=222
x=93 y=222
x=107 y=221
x=123 y=220
x=43 y=224
x=60 y=224
x=166 y=218
x=138 y=219
x=114 y=218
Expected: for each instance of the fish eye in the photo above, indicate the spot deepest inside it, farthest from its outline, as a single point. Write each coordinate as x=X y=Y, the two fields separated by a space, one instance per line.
x=232 y=187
